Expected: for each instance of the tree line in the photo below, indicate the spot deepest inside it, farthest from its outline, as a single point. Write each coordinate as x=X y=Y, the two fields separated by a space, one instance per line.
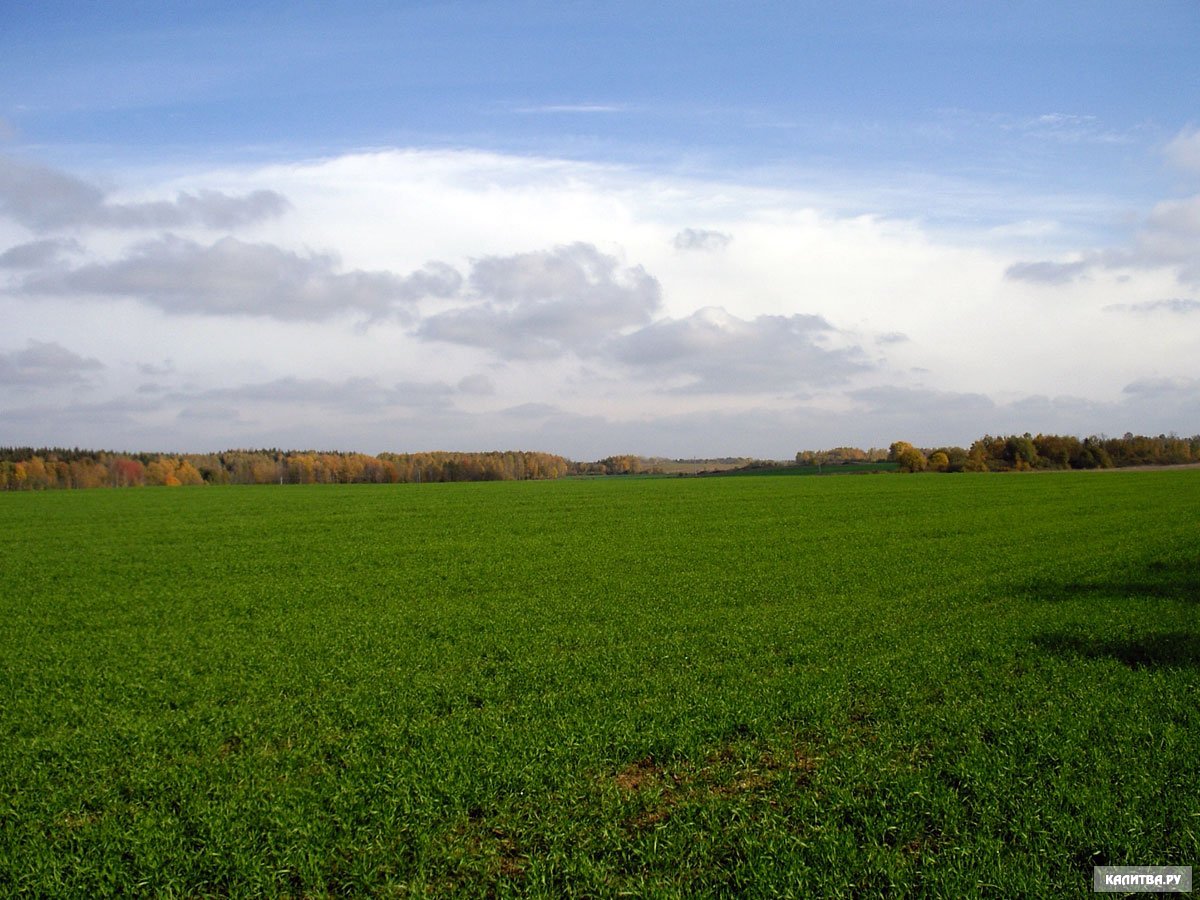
x=1021 y=453
x=27 y=468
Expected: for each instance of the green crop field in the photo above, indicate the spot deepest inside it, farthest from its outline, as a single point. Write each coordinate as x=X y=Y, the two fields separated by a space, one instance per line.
x=872 y=686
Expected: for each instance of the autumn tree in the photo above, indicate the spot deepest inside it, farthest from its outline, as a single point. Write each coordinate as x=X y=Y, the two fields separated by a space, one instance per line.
x=939 y=461
x=907 y=457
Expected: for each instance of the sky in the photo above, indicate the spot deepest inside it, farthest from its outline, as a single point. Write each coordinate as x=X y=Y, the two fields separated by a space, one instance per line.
x=674 y=229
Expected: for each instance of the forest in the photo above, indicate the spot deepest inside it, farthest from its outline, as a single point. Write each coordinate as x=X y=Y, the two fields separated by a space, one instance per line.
x=28 y=468
x=1020 y=453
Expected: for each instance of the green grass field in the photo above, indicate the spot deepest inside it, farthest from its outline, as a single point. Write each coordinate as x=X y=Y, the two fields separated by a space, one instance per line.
x=881 y=686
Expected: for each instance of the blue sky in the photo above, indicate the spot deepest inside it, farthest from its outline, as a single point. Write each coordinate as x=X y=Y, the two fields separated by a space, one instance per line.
x=666 y=228
x=875 y=84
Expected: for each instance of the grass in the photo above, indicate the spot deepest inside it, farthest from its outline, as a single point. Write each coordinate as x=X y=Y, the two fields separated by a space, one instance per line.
x=901 y=686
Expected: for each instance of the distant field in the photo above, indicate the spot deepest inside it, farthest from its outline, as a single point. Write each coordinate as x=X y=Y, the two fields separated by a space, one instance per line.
x=863 y=468
x=893 y=686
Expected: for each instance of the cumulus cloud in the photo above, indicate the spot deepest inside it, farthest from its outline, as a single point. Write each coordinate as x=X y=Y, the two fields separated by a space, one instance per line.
x=45 y=363
x=715 y=352
x=1177 y=305
x=35 y=254
x=701 y=239
x=231 y=277
x=547 y=303
x=42 y=198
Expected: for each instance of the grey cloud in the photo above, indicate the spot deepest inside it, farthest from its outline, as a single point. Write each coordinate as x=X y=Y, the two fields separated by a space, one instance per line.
x=1177 y=305
x=893 y=337
x=351 y=395
x=530 y=411
x=42 y=198
x=1047 y=271
x=701 y=239
x=420 y=394
x=45 y=363
x=166 y=367
x=547 y=303
x=888 y=401
x=477 y=384
x=116 y=424
x=932 y=417
x=209 y=412
x=231 y=277
x=1162 y=405
x=721 y=353
x=36 y=254
x=1157 y=388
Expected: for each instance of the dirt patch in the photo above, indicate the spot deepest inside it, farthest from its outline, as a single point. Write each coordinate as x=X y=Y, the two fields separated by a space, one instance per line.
x=80 y=820
x=728 y=773
x=638 y=776
x=475 y=849
x=511 y=863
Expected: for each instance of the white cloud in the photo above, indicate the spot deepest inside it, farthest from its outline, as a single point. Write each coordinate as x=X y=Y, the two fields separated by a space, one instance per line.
x=585 y=108
x=701 y=239
x=1176 y=305
x=565 y=316
x=1167 y=238
x=1184 y=150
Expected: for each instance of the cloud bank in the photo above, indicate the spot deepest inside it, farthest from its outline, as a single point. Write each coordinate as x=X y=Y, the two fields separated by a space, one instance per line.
x=425 y=299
